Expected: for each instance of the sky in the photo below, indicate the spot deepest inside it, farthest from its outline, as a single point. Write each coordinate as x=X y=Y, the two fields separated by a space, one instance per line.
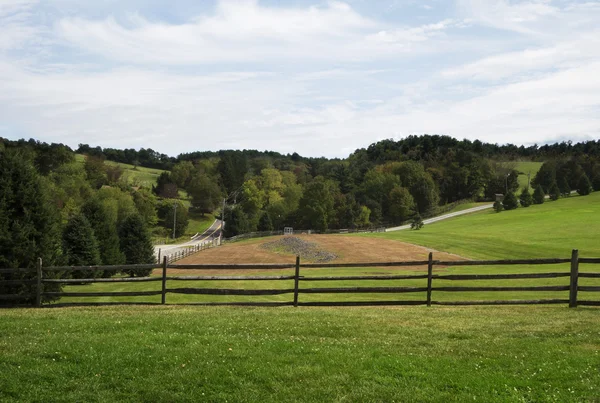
x=321 y=78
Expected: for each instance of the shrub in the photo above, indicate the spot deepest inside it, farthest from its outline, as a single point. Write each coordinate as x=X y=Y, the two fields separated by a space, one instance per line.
x=498 y=207
x=510 y=201
x=417 y=223
x=554 y=192
x=584 y=187
x=538 y=195
x=525 y=198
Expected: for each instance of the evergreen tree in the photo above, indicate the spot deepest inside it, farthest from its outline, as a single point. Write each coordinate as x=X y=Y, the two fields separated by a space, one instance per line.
x=554 y=191
x=538 y=195
x=236 y=222
x=103 y=221
x=498 y=207
x=584 y=187
x=29 y=224
x=265 y=224
x=136 y=244
x=80 y=246
x=563 y=186
x=596 y=182
x=525 y=198
x=510 y=201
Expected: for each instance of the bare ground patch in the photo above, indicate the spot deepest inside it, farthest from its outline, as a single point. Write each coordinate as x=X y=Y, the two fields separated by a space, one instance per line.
x=348 y=249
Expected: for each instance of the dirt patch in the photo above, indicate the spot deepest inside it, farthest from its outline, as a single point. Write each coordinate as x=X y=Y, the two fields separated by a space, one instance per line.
x=300 y=247
x=348 y=249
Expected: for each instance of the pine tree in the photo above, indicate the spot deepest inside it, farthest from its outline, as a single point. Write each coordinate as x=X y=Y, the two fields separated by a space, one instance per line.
x=136 y=244
x=584 y=187
x=563 y=186
x=538 y=195
x=236 y=222
x=510 y=201
x=29 y=224
x=265 y=224
x=596 y=182
x=80 y=246
x=525 y=198
x=106 y=232
x=554 y=191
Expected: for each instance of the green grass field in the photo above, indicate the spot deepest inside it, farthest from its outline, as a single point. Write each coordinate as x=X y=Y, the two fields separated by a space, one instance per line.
x=413 y=354
x=552 y=229
x=407 y=354
x=527 y=167
x=138 y=176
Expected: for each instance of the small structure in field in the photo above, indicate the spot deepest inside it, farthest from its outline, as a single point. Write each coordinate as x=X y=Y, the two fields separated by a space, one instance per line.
x=499 y=197
x=288 y=231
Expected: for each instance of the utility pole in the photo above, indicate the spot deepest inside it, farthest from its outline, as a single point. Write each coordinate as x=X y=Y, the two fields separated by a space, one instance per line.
x=528 y=179
x=174 y=218
x=506 y=184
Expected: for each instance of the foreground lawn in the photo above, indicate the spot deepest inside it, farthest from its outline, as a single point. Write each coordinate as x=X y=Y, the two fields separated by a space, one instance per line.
x=490 y=354
x=552 y=229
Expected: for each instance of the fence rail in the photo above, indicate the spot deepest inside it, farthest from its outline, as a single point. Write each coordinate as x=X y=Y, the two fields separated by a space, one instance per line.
x=428 y=286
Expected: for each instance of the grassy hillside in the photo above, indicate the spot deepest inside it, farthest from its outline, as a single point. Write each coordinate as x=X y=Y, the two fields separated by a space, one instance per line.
x=139 y=176
x=548 y=230
x=489 y=354
x=526 y=167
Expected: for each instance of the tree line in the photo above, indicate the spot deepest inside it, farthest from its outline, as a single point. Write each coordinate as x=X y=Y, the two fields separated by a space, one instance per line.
x=55 y=208
x=73 y=212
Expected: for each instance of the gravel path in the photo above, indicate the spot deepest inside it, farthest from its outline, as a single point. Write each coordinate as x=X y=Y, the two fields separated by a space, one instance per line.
x=306 y=250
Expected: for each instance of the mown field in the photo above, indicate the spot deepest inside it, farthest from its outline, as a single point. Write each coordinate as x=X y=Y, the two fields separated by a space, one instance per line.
x=527 y=167
x=552 y=229
x=413 y=354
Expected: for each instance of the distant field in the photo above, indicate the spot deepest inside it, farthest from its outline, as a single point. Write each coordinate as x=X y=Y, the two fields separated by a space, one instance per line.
x=527 y=167
x=139 y=176
x=548 y=230
x=411 y=354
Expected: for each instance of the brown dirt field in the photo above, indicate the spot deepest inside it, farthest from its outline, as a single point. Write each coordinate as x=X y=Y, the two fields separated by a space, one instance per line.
x=349 y=249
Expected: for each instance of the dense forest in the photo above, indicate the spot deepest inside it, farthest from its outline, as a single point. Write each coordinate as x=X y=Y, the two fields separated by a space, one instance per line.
x=72 y=210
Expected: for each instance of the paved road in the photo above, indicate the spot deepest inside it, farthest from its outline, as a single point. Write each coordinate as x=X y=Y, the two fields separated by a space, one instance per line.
x=214 y=231
x=444 y=217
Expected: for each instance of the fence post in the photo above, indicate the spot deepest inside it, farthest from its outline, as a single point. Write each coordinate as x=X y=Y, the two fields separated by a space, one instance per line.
x=38 y=297
x=164 y=281
x=159 y=250
x=296 y=280
x=574 y=278
x=429 y=277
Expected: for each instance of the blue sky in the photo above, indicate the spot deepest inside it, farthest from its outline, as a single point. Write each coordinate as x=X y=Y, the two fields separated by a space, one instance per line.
x=314 y=77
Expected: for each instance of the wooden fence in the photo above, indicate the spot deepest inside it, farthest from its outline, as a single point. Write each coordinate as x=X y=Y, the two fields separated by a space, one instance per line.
x=297 y=279
x=188 y=251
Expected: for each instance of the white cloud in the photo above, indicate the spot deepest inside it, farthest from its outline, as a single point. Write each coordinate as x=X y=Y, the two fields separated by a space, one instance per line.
x=244 y=31
x=514 y=65
x=329 y=80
